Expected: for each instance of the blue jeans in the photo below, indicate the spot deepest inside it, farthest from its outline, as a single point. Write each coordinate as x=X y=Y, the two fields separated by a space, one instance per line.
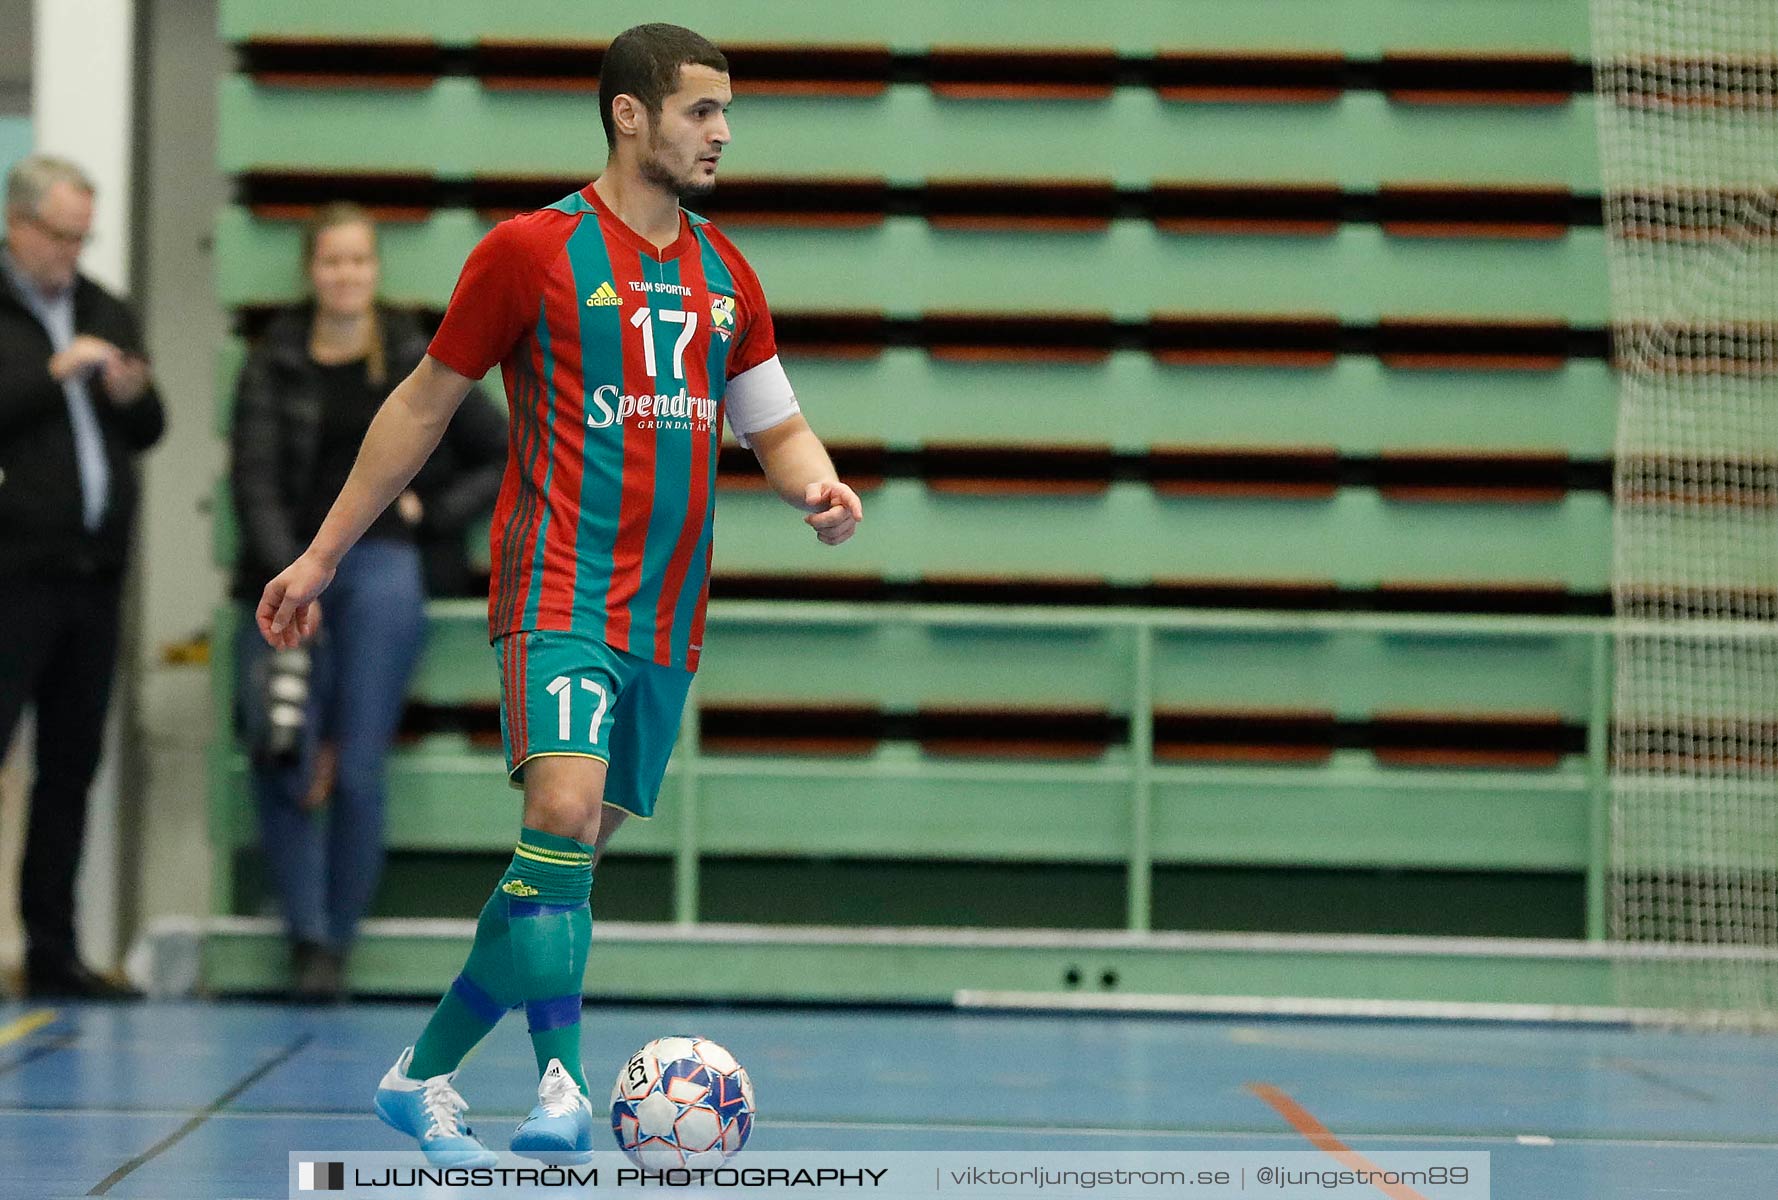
x=325 y=863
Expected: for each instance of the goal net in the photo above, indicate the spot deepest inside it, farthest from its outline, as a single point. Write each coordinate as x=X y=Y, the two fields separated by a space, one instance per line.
x=1687 y=112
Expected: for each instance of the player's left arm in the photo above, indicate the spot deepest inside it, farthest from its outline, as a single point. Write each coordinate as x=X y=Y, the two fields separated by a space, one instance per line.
x=764 y=413
x=798 y=468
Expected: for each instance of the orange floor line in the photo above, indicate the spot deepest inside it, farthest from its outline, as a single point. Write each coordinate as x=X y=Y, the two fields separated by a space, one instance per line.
x=1322 y=1138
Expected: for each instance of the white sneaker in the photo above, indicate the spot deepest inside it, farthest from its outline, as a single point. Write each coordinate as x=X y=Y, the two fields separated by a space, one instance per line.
x=432 y=1111
x=560 y=1128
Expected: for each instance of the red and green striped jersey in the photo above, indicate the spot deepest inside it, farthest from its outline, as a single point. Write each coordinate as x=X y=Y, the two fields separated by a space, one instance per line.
x=615 y=356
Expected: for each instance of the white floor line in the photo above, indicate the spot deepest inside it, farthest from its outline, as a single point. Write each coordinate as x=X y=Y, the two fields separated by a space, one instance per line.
x=931 y=1127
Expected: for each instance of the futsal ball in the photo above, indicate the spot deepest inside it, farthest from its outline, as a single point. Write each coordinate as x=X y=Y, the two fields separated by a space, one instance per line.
x=681 y=1101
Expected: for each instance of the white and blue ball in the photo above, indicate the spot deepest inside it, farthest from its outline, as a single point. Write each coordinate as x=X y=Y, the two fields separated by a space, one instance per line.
x=681 y=1101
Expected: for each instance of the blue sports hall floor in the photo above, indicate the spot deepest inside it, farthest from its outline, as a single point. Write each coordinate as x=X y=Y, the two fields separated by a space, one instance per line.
x=193 y=1101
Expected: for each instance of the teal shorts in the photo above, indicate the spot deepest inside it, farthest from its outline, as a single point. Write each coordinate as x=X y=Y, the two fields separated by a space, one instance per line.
x=567 y=693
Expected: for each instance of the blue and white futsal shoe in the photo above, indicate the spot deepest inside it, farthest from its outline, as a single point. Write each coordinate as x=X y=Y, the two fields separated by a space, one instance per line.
x=432 y=1111
x=560 y=1128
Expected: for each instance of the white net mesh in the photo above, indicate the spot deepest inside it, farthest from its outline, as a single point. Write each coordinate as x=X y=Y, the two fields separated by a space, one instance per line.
x=1688 y=132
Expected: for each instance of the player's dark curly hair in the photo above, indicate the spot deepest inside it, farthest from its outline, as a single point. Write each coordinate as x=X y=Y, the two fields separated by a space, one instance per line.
x=644 y=60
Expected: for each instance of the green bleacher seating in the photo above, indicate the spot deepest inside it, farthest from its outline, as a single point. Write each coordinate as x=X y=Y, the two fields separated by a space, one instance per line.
x=1233 y=392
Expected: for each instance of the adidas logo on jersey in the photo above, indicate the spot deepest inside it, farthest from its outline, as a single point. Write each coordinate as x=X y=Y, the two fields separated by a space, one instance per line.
x=605 y=295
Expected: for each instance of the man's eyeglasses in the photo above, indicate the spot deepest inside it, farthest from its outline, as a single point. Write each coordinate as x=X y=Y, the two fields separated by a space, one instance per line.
x=68 y=238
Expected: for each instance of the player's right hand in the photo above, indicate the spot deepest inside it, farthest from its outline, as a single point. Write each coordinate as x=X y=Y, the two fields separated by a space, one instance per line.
x=289 y=612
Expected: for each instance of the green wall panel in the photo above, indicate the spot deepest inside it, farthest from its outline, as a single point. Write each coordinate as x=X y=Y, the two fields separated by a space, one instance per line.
x=899 y=804
x=1356 y=26
x=649 y=961
x=890 y=813
x=1356 y=673
x=906 y=266
x=1131 y=533
x=1349 y=817
x=900 y=667
x=455 y=129
x=261 y=261
x=905 y=397
x=903 y=667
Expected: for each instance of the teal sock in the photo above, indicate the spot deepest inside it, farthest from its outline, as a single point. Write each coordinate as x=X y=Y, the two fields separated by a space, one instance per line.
x=480 y=995
x=550 y=929
x=545 y=874
x=547 y=869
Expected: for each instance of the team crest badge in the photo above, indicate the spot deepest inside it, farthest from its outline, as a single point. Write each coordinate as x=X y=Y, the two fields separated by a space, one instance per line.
x=722 y=316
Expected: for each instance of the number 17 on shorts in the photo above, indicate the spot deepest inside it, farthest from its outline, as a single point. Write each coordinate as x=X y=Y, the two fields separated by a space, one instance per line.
x=557 y=692
x=566 y=693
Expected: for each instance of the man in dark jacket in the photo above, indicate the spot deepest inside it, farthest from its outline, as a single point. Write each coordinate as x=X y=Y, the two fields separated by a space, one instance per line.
x=77 y=404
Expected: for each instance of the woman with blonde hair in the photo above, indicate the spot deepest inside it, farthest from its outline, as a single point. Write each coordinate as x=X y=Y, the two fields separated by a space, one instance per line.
x=319 y=723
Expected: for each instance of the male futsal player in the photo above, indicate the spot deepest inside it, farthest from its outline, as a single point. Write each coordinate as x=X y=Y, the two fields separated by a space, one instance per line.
x=624 y=328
